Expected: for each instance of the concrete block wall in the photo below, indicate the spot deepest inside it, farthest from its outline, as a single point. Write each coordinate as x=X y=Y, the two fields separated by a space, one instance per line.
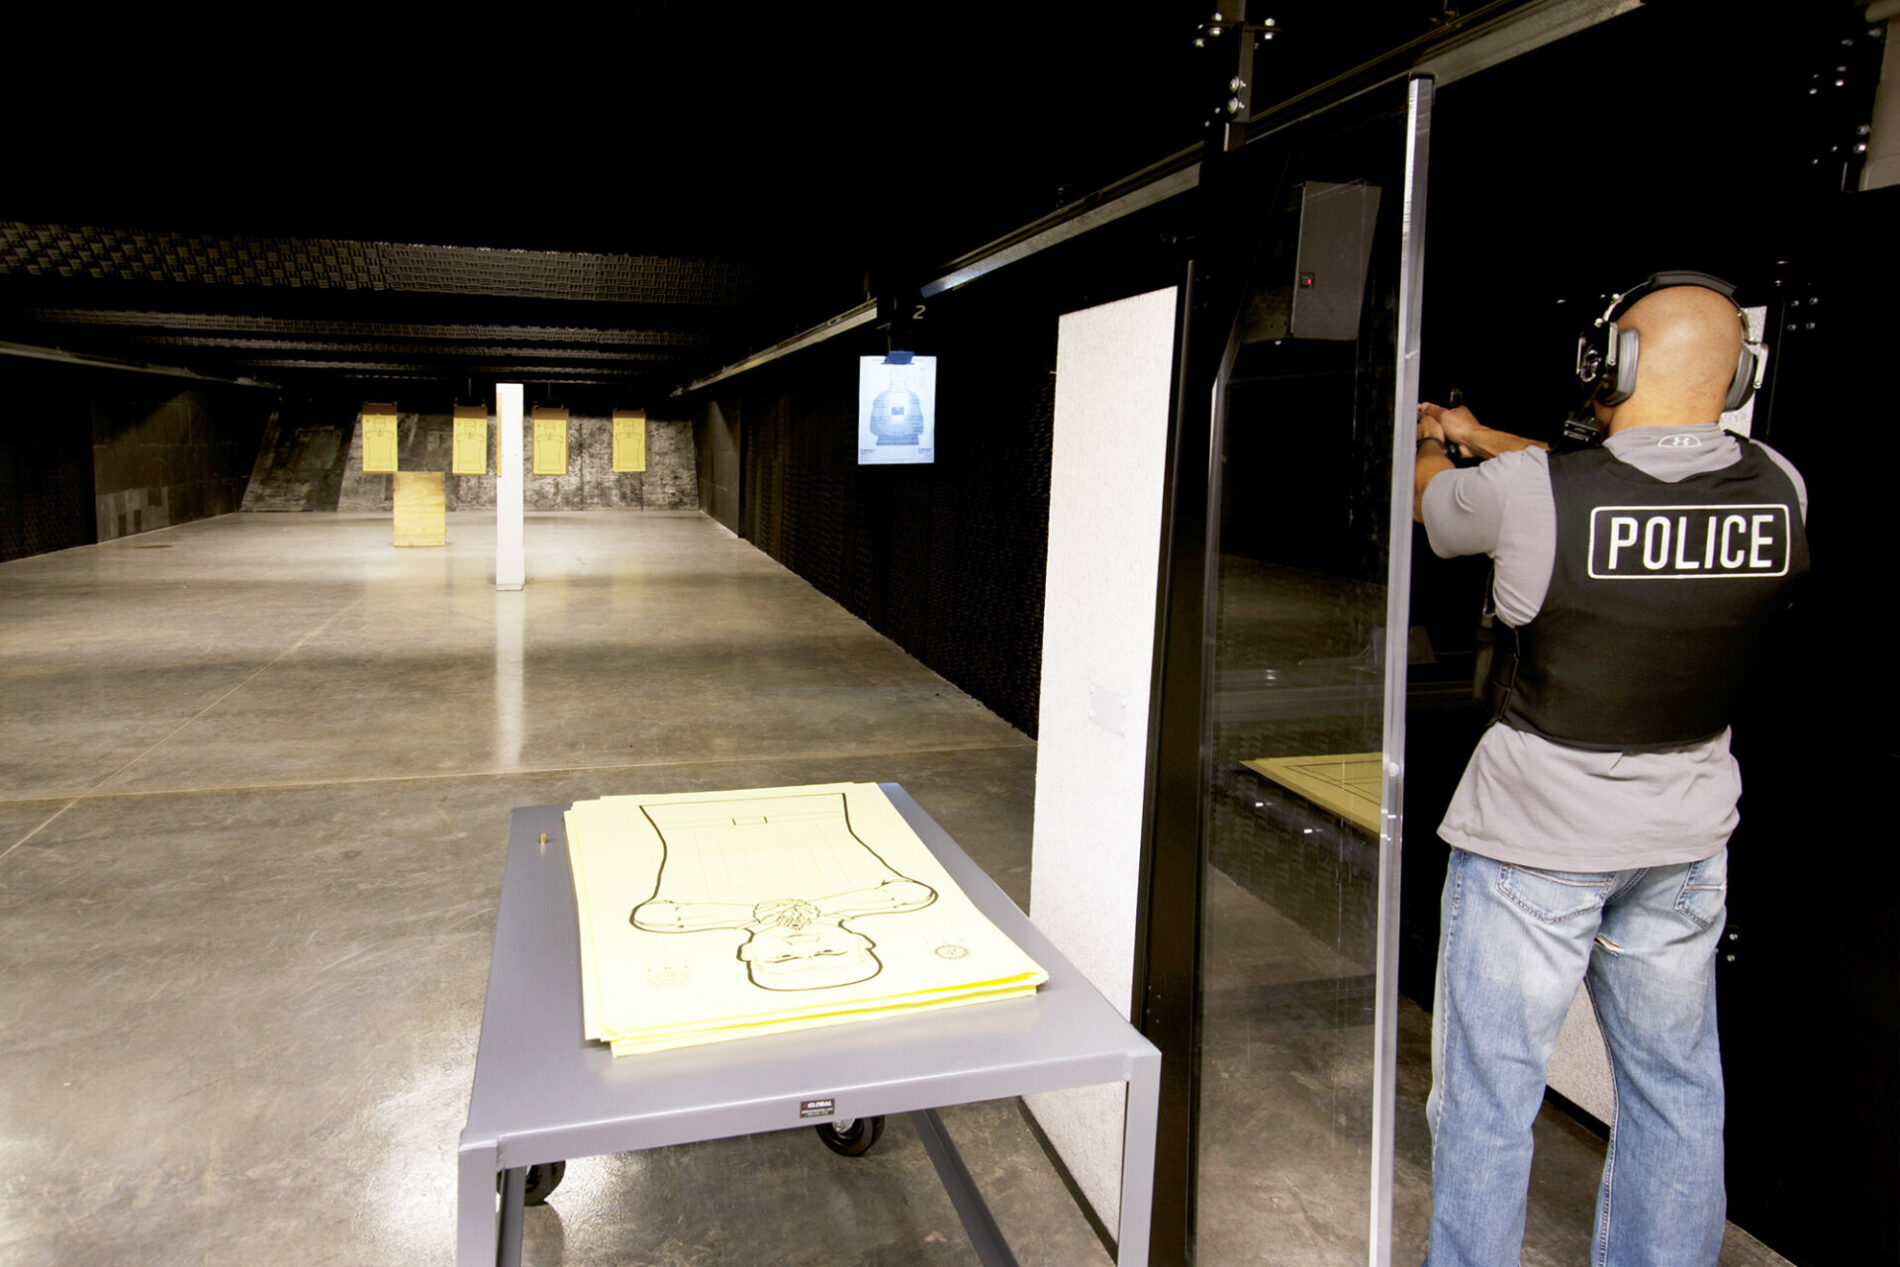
x=313 y=460
x=301 y=461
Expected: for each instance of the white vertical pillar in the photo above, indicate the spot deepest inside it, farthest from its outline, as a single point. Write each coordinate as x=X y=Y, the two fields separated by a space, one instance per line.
x=510 y=552
x=511 y=641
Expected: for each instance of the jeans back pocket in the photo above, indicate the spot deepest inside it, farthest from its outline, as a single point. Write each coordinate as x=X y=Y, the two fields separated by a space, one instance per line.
x=1554 y=896
x=1704 y=894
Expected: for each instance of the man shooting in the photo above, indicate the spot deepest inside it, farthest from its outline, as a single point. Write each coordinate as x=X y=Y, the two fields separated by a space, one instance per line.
x=1636 y=582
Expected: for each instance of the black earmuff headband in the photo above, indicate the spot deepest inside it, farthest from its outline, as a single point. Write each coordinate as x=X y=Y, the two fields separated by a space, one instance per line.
x=1607 y=354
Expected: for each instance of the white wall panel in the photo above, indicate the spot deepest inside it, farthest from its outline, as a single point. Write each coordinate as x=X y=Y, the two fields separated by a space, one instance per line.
x=1114 y=371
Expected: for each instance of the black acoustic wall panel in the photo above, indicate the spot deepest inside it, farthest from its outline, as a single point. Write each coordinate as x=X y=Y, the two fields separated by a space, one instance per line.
x=45 y=460
x=945 y=559
x=89 y=453
x=948 y=559
x=168 y=452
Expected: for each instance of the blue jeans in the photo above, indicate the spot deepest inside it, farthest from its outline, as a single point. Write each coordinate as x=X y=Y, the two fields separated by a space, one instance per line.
x=1514 y=943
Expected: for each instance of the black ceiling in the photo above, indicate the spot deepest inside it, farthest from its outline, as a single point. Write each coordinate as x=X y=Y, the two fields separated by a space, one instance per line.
x=629 y=201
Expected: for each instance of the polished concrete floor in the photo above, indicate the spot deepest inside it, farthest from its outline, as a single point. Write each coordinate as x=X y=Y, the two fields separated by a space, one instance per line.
x=255 y=775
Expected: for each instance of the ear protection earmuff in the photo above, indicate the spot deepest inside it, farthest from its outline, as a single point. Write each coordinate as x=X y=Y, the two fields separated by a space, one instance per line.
x=1607 y=354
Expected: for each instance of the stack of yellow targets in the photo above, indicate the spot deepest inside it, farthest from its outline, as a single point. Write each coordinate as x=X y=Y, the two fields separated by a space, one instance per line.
x=715 y=915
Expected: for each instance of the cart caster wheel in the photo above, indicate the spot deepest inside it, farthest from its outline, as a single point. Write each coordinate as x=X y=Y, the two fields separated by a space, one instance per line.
x=852 y=1137
x=541 y=1181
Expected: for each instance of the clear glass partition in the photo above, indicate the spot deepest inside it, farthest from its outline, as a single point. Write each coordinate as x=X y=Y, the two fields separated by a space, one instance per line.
x=1306 y=629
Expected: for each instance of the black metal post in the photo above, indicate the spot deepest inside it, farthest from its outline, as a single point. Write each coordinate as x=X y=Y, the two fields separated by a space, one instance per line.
x=1174 y=845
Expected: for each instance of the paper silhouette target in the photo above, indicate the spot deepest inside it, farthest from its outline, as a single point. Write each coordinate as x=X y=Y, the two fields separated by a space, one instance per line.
x=723 y=915
x=788 y=876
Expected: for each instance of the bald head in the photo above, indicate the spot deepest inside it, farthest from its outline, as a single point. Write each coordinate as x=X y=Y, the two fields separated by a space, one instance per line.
x=1691 y=340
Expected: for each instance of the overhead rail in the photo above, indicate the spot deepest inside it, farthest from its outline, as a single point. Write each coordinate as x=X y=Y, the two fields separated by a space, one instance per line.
x=1173 y=175
x=61 y=356
x=1157 y=183
x=851 y=320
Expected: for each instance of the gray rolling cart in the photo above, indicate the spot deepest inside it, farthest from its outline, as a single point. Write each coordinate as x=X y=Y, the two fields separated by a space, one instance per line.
x=543 y=1094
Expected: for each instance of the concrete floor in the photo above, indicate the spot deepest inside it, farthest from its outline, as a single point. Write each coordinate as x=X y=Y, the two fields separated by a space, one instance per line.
x=255 y=775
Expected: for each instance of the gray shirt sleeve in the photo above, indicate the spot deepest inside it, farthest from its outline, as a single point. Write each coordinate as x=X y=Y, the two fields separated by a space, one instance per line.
x=1794 y=476
x=1502 y=508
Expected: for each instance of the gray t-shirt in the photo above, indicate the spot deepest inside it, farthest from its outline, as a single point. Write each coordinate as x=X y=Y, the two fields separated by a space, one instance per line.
x=1530 y=802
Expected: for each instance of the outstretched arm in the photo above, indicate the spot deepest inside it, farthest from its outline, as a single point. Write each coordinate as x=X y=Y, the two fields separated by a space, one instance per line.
x=1461 y=429
x=1452 y=431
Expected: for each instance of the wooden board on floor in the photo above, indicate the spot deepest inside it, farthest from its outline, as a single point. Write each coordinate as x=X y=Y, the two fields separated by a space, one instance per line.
x=1347 y=783
x=422 y=517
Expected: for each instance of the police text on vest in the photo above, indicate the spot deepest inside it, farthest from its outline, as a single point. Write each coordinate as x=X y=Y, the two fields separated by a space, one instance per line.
x=1685 y=543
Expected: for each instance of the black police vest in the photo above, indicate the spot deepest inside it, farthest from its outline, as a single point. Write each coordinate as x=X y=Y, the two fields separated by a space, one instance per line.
x=1660 y=604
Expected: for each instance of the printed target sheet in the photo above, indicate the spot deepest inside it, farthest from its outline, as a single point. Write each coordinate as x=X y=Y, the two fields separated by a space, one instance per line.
x=709 y=916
